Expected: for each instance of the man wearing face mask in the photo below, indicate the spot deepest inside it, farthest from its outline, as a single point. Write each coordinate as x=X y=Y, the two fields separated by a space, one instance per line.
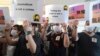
x=88 y=43
x=59 y=41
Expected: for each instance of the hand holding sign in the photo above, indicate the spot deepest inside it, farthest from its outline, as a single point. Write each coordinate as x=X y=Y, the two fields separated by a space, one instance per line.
x=7 y=26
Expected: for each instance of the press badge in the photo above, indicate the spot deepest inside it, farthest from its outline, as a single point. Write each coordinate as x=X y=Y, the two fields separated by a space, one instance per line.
x=57 y=38
x=94 y=40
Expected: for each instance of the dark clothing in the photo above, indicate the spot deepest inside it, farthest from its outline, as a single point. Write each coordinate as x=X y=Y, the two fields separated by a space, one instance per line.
x=98 y=33
x=3 y=49
x=88 y=47
x=0 y=49
x=54 y=51
x=39 y=43
x=56 y=46
x=48 y=30
x=46 y=39
x=69 y=31
x=72 y=50
x=21 y=49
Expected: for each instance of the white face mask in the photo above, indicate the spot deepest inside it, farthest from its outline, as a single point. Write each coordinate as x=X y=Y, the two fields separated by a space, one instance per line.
x=36 y=29
x=13 y=32
x=57 y=28
x=89 y=28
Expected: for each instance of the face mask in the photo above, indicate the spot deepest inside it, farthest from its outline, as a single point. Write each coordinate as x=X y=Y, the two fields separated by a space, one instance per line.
x=57 y=28
x=36 y=29
x=89 y=28
x=13 y=32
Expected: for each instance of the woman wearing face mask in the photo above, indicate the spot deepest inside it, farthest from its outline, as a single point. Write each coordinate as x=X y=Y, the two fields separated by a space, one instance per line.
x=59 y=41
x=88 y=43
x=11 y=48
x=20 y=43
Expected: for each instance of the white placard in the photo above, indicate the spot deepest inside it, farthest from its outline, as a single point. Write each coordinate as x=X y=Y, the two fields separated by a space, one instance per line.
x=25 y=9
x=56 y=13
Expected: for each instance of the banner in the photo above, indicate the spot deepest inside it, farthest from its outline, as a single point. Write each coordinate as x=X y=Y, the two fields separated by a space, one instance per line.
x=96 y=13
x=26 y=9
x=56 y=13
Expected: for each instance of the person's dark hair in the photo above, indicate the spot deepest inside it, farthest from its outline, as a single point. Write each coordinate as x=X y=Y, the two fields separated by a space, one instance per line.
x=36 y=19
x=37 y=15
x=20 y=29
x=87 y=23
x=65 y=7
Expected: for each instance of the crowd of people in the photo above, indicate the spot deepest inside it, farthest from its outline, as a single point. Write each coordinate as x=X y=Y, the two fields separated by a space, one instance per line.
x=49 y=39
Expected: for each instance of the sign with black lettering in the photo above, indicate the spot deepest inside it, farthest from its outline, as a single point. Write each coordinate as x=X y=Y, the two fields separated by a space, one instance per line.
x=25 y=9
x=56 y=13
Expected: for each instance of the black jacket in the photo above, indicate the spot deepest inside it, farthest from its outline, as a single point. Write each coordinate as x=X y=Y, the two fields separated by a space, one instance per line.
x=21 y=49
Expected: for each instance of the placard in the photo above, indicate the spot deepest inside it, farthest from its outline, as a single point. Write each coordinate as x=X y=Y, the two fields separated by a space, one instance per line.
x=26 y=10
x=96 y=13
x=56 y=13
x=77 y=12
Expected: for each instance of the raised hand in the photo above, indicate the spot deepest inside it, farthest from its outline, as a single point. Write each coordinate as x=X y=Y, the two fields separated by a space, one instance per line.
x=27 y=25
x=7 y=26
